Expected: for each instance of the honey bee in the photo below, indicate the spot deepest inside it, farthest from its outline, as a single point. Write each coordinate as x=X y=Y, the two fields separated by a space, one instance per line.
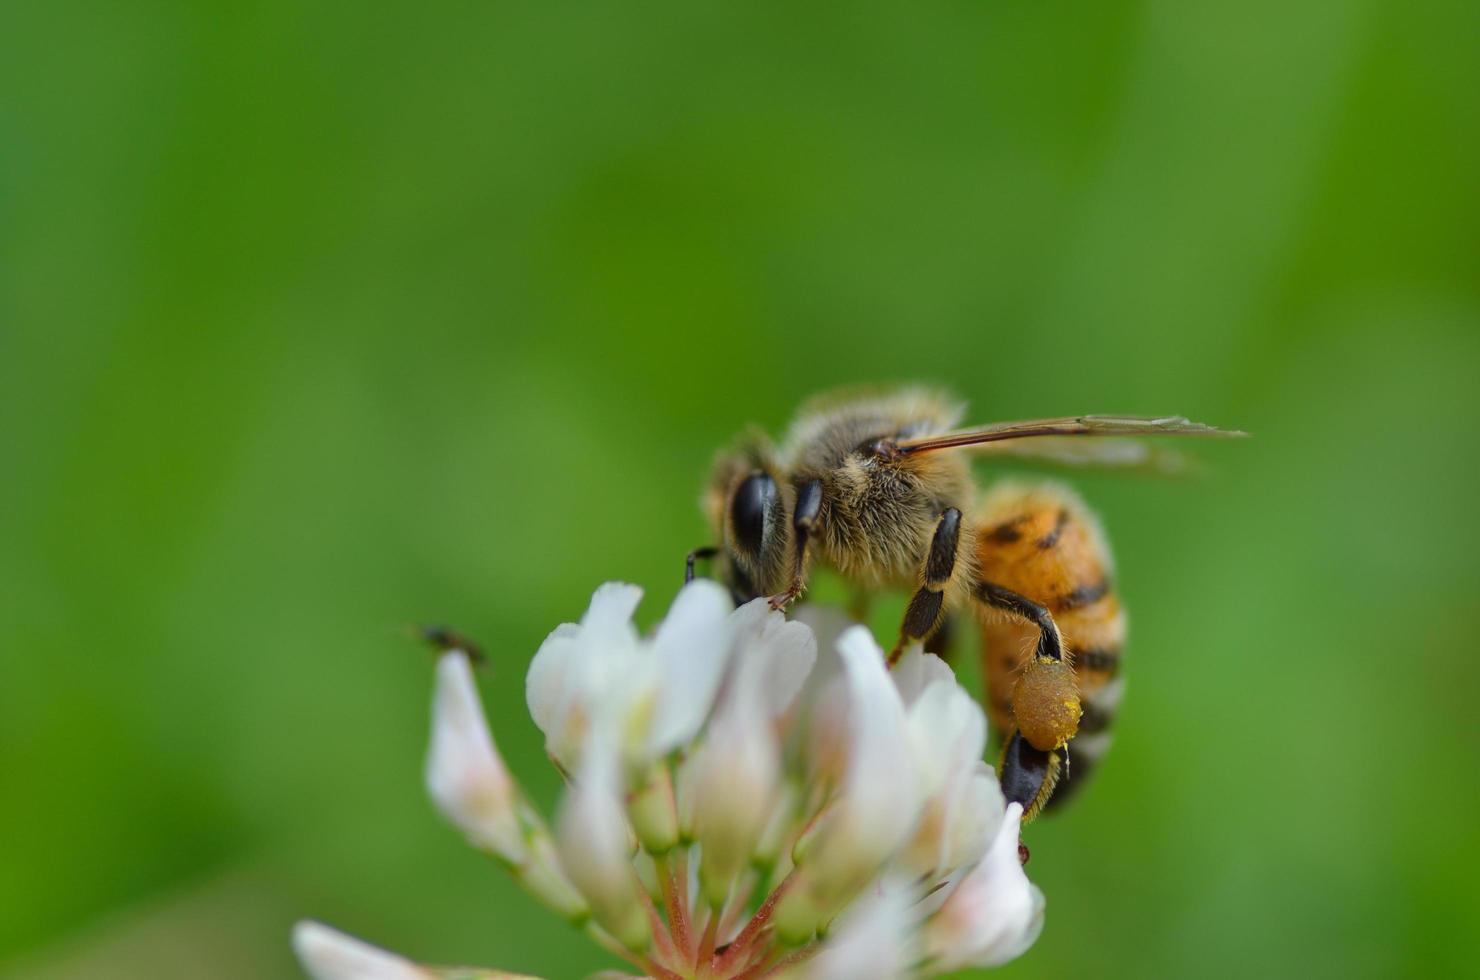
x=877 y=487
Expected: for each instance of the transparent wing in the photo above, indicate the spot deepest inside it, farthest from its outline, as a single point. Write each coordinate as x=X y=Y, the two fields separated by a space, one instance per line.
x=1115 y=453
x=1068 y=426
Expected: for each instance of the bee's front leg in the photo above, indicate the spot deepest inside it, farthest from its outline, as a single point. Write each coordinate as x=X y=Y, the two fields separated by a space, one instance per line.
x=704 y=553
x=927 y=606
x=804 y=519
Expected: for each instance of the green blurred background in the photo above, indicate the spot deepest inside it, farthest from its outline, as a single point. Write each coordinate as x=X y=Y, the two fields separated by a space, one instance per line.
x=321 y=318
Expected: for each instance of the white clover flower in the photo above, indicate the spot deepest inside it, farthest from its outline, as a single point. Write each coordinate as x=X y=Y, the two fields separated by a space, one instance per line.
x=740 y=803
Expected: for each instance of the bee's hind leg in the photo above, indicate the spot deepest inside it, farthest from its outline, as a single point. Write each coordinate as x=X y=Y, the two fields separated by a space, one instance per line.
x=939 y=642
x=1028 y=775
x=1045 y=707
x=926 y=610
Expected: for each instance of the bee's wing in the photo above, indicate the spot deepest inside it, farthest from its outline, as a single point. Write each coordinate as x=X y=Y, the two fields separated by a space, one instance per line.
x=1117 y=453
x=1073 y=425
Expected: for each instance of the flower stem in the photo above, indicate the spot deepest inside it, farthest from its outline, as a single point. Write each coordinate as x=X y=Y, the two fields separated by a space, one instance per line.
x=786 y=962
x=609 y=943
x=704 y=961
x=678 y=913
x=738 y=901
x=663 y=942
x=740 y=949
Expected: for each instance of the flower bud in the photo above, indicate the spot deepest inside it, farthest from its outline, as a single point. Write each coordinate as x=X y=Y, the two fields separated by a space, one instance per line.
x=328 y=954
x=654 y=811
x=465 y=775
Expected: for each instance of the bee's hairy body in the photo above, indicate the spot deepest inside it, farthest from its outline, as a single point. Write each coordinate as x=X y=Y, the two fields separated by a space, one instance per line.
x=879 y=517
x=1039 y=539
x=839 y=493
x=875 y=485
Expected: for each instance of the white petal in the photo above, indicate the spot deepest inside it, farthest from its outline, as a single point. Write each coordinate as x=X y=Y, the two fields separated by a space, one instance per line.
x=948 y=733
x=733 y=783
x=994 y=914
x=917 y=670
x=874 y=939
x=827 y=624
x=692 y=647
x=788 y=651
x=820 y=710
x=465 y=775
x=596 y=844
x=749 y=619
x=328 y=954
x=881 y=784
x=611 y=609
x=826 y=740
x=879 y=800
x=972 y=819
x=549 y=686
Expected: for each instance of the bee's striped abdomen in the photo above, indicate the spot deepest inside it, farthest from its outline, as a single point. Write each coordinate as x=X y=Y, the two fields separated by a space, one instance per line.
x=1040 y=541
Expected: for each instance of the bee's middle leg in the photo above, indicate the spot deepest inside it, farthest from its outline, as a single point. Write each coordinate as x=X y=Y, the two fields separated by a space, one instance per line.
x=926 y=610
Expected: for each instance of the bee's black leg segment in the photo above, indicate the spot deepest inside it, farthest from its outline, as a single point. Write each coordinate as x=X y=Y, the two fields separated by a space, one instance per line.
x=803 y=520
x=939 y=642
x=1050 y=642
x=926 y=608
x=707 y=552
x=1028 y=775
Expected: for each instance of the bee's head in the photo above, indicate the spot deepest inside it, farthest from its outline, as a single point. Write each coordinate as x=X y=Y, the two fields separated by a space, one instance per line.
x=749 y=506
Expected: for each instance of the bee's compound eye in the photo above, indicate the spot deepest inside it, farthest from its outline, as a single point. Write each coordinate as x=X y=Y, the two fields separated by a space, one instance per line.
x=752 y=501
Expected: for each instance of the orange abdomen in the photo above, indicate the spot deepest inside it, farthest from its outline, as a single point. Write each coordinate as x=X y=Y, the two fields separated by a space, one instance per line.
x=1040 y=541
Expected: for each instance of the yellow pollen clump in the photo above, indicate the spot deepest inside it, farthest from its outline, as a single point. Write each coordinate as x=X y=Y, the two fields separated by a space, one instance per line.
x=1045 y=703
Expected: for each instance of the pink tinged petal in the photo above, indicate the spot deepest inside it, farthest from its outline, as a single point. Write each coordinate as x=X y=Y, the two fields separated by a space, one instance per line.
x=874 y=940
x=994 y=914
x=328 y=954
x=596 y=846
x=465 y=775
x=691 y=648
